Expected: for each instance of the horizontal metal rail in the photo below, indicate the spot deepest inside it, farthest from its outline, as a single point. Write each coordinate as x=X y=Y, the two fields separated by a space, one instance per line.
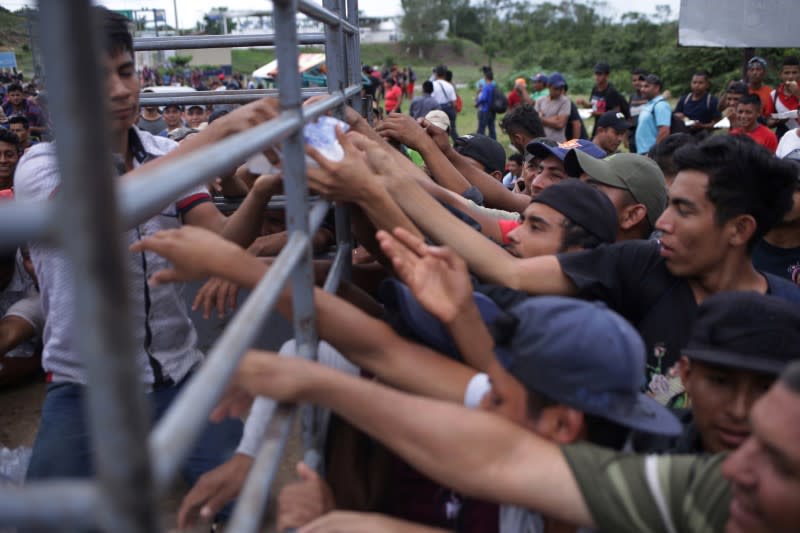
x=219 y=97
x=172 y=439
x=253 y=497
x=326 y=16
x=53 y=505
x=21 y=222
x=193 y=42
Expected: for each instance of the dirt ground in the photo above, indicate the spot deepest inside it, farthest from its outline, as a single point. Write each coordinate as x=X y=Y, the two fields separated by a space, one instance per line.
x=20 y=409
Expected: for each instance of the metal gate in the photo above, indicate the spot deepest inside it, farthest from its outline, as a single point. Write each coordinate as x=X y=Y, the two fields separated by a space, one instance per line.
x=87 y=219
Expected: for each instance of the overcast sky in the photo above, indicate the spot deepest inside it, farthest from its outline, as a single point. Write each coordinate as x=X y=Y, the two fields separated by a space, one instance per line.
x=191 y=11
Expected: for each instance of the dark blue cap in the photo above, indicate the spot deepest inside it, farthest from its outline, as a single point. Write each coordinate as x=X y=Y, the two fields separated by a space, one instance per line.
x=556 y=80
x=542 y=150
x=574 y=352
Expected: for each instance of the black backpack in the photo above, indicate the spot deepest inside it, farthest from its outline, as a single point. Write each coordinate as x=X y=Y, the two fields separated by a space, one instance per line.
x=499 y=102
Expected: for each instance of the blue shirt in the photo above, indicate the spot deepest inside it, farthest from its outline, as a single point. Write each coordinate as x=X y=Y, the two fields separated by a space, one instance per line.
x=485 y=97
x=652 y=117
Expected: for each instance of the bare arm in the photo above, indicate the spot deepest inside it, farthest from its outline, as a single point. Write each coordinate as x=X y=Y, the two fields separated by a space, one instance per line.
x=476 y=453
x=663 y=133
x=557 y=122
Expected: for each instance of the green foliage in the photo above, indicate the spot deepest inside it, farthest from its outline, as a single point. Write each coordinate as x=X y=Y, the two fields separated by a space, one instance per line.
x=180 y=61
x=421 y=22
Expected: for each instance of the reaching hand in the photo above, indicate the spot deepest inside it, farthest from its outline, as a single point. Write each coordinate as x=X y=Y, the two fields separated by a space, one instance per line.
x=188 y=250
x=403 y=129
x=305 y=500
x=437 y=276
x=216 y=293
x=214 y=490
x=348 y=180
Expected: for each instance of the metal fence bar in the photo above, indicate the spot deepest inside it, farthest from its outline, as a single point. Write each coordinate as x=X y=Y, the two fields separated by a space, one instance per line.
x=219 y=41
x=90 y=235
x=314 y=11
x=229 y=97
x=339 y=268
x=352 y=43
x=21 y=222
x=53 y=505
x=173 y=437
x=253 y=497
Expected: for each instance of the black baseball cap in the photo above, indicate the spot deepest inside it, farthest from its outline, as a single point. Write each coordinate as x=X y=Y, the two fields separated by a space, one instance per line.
x=746 y=330
x=602 y=68
x=613 y=119
x=584 y=205
x=482 y=149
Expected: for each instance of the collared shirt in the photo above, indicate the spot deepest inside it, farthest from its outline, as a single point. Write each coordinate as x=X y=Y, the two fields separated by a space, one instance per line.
x=651 y=118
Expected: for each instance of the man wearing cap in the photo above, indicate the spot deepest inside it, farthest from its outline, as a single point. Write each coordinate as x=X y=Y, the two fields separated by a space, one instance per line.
x=756 y=72
x=610 y=129
x=425 y=103
x=656 y=116
x=196 y=116
x=740 y=344
x=551 y=161
x=554 y=108
x=485 y=153
x=605 y=97
x=173 y=117
x=633 y=183
x=539 y=86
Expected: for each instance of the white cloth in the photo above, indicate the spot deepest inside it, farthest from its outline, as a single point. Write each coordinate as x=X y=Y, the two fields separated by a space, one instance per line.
x=443 y=92
x=792 y=123
x=173 y=337
x=789 y=142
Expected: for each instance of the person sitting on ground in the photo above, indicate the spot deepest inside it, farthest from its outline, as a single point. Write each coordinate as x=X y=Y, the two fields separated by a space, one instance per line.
x=740 y=344
x=425 y=103
x=662 y=153
x=633 y=183
x=610 y=130
x=747 y=112
x=514 y=167
x=20 y=127
x=699 y=105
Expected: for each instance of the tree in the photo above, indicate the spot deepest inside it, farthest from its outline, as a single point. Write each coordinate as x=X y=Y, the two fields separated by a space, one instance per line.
x=421 y=22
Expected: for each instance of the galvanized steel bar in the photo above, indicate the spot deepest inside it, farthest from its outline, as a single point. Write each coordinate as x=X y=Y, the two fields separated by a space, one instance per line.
x=253 y=498
x=352 y=45
x=176 y=432
x=219 y=41
x=21 y=222
x=52 y=506
x=218 y=97
x=314 y=11
x=341 y=261
x=90 y=235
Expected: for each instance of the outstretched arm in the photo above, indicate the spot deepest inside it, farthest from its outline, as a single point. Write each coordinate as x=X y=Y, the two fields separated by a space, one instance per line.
x=476 y=453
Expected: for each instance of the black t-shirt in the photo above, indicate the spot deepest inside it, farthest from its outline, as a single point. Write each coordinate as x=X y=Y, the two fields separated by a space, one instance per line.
x=573 y=116
x=607 y=100
x=780 y=262
x=632 y=279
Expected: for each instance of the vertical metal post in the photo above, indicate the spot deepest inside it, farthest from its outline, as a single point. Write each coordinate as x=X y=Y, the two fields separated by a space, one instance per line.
x=353 y=55
x=89 y=231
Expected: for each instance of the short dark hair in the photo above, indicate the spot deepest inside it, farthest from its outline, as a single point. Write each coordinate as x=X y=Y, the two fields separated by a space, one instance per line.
x=448 y=76
x=790 y=61
x=703 y=73
x=516 y=157
x=750 y=99
x=791 y=377
x=117 y=38
x=488 y=74
x=390 y=81
x=427 y=87
x=14 y=88
x=576 y=235
x=663 y=152
x=743 y=178
x=19 y=119
x=737 y=87
x=640 y=73
x=523 y=118
x=9 y=137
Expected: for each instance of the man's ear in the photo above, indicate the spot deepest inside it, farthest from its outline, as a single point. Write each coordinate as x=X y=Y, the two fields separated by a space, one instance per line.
x=741 y=230
x=631 y=215
x=497 y=174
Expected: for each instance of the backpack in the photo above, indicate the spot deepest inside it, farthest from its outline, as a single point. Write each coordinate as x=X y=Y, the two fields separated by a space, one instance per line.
x=459 y=103
x=499 y=102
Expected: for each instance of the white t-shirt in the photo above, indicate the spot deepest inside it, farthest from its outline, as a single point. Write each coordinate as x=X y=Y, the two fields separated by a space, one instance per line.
x=443 y=92
x=780 y=108
x=163 y=334
x=789 y=142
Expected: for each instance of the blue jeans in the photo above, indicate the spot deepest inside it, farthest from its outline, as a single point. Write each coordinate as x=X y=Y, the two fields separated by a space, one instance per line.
x=63 y=445
x=486 y=119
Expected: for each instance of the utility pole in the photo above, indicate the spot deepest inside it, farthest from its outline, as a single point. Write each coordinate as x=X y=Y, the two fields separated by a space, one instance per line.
x=155 y=20
x=175 y=7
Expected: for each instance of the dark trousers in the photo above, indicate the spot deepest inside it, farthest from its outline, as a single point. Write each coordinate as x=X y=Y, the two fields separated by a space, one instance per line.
x=486 y=120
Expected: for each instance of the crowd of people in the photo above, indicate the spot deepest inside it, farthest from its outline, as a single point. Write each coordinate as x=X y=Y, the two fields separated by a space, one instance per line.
x=577 y=340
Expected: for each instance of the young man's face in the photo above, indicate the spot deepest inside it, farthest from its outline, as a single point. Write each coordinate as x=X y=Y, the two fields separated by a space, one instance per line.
x=732 y=99
x=649 y=90
x=538 y=86
x=20 y=131
x=551 y=171
x=755 y=73
x=790 y=73
x=609 y=139
x=195 y=116
x=721 y=401
x=699 y=85
x=8 y=162
x=600 y=78
x=172 y=116
x=556 y=92
x=122 y=88
x=636 y=81
x=765 y=471
x=541 y=232
x=514 y=168
x=692 y=242
x=747 y=116
x=16 y=98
